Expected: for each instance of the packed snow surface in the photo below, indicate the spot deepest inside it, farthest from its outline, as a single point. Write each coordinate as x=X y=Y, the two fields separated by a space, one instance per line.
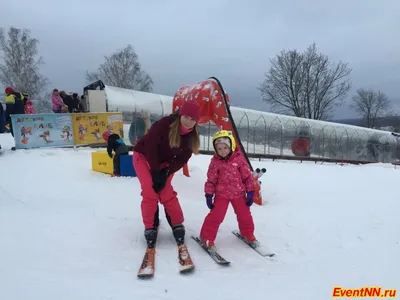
x=67 y=232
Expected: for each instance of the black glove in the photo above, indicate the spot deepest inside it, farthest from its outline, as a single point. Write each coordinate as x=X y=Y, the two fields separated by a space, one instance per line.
x=159 y=178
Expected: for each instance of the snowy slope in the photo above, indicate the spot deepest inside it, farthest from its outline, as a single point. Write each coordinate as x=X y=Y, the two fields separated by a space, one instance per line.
x=69 y=233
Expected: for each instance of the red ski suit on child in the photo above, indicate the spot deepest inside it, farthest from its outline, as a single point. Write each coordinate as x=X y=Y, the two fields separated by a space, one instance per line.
x=228 y=180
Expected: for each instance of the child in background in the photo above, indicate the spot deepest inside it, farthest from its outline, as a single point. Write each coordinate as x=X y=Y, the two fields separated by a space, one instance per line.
x=29 y=109
x=229 y=180
x=116 y=144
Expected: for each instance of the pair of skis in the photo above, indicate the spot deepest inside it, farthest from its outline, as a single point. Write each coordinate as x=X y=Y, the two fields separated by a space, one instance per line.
x=186 y=265
x=219 y=259
x=147 y=268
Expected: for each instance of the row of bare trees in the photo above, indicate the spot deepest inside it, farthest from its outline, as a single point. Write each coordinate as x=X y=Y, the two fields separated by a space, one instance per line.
x=304 y=84
x=20 y=65
x=309 y=85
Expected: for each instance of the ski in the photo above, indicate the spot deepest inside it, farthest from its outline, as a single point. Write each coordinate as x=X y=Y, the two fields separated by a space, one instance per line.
x=147 y=269
x=214 y=255
x=186 y=264
x=260 y=249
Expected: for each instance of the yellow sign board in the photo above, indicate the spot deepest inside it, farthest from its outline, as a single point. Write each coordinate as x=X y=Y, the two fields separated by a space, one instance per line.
x=101 y=162
x=95 y=128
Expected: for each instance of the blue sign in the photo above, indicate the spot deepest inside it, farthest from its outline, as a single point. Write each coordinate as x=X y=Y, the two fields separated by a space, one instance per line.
x=42 y=130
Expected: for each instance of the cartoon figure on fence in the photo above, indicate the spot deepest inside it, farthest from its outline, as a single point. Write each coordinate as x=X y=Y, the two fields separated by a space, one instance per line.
x=97 y=134
x=24 y=133
x=66 y=133
x=82 y=132
x=109 y=131
x=46 y=136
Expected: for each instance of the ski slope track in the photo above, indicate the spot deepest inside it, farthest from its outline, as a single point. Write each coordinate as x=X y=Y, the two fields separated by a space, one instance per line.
x=67 y=232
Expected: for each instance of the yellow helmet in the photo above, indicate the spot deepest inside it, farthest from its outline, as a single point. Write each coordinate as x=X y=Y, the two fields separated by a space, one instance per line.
x=224 y=136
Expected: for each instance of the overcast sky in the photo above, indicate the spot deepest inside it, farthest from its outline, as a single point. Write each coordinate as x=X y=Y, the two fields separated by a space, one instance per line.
x=186 y=41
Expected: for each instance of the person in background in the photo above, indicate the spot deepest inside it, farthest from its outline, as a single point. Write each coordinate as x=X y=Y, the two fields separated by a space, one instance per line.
x=76 y=103
x=14 y=105
x=67 y=99
x=1 y=123
x=29 y=109
x=56 y=101
x=9 y=100
x=20 y=101
x=116 y=144
x=2 y=120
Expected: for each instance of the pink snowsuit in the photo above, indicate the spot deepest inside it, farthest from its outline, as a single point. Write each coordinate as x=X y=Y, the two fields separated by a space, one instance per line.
x=56 y=102
x=167 y=196
x=228 y=180
x=29 y=110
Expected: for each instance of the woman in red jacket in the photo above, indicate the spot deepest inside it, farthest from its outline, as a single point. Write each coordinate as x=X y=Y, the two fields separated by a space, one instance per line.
x=165 y=149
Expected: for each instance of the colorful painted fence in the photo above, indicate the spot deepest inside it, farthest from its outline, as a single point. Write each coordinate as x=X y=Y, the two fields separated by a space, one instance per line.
x=95 y=128
x=60 y=130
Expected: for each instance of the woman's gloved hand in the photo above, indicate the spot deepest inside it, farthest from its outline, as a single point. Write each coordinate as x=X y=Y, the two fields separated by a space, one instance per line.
x=159 y=178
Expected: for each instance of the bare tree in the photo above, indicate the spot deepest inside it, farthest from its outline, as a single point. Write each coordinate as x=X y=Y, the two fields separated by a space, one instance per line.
x=21 y=66
x=394 y=121
x=370 y=105
x=43 y=104
x=122 y=69
x=305 y=84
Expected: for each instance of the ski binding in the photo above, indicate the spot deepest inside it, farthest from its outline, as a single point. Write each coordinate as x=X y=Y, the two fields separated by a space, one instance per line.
x=214 y=255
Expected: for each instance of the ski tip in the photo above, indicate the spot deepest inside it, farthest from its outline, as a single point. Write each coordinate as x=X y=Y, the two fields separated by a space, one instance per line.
x=267 y=254
x=145 y=276
x=270 y=255
x=187 y=270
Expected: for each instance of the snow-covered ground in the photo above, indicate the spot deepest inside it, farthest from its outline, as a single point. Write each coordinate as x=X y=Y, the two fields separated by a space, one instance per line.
x=67 y=232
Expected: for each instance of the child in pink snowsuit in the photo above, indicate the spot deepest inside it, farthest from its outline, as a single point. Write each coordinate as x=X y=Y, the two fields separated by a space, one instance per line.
x=29 y=109
x=229 y=180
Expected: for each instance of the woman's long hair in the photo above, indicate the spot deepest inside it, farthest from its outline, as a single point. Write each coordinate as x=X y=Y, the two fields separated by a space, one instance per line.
x=175 y=136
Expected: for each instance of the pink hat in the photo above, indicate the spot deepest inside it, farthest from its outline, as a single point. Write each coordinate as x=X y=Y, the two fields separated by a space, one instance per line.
x=190 y=109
